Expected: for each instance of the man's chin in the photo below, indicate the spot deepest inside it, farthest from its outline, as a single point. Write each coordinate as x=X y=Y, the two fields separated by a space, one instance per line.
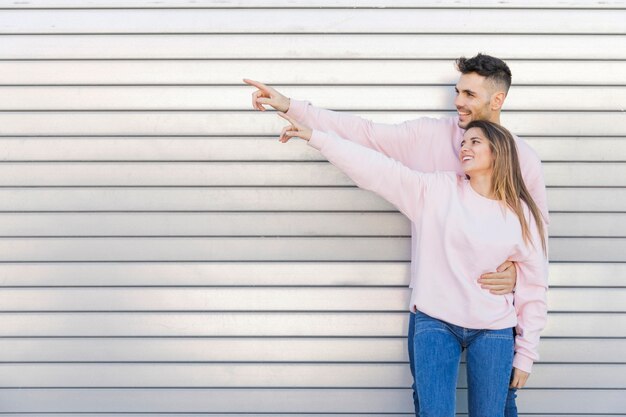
x=463 y=125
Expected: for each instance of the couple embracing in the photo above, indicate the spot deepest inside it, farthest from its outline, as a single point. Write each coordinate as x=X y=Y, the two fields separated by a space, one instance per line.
x=476 y=198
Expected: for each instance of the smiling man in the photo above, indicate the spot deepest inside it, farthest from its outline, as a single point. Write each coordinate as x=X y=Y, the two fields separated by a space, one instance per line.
x=428 y=145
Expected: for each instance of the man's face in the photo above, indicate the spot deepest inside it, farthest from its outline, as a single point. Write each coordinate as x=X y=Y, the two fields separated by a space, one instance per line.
x=473 y=99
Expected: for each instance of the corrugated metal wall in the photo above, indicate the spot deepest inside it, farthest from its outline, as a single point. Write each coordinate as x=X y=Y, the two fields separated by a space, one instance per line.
x=161 y=252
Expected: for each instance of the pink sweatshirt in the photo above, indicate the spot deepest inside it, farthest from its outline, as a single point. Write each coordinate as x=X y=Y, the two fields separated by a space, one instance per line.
x=457 y=234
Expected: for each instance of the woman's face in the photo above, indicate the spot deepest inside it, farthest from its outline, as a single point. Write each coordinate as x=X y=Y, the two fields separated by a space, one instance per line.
x=475 y=154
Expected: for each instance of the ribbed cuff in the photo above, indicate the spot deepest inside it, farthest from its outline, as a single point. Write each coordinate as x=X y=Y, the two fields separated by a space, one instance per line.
x=317 y=139
x=523 y=363
x=296 y=108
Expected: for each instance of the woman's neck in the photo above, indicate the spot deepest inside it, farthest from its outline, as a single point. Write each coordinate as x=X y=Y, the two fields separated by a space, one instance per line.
x=481 y=183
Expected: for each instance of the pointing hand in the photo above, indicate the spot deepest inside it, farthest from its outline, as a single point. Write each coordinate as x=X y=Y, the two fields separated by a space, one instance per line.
x=266 y=95
x=295 y=129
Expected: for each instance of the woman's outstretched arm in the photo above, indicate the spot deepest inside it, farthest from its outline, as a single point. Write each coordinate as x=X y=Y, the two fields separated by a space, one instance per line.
x=369 y=169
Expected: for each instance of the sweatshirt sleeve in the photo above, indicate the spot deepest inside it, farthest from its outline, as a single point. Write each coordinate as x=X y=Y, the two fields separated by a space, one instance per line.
x=424 y=144
x=532 y=172
x=373 y=171
x=530 y=300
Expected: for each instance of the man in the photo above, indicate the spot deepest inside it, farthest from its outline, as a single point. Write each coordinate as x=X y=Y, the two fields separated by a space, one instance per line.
x=428 y=145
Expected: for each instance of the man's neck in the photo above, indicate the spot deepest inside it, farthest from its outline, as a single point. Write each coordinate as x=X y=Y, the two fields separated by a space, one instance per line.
x=495 y=118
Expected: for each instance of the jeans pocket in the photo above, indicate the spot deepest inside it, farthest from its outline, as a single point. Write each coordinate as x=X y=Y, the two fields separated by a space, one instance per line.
x=506 y=334
x=424 y=323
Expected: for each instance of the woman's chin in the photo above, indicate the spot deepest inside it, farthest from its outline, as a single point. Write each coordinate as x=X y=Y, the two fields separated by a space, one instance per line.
x=467 y=168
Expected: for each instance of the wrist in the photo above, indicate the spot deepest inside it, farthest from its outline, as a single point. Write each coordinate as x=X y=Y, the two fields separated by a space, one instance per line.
x=286 y=104
x=307 y=134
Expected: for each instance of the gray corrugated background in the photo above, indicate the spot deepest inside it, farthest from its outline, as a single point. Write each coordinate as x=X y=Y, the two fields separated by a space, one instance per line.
x=161 y=253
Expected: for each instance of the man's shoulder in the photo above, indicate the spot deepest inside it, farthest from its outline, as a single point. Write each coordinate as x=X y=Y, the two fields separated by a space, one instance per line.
x=440 y=126
x=443 y=122
x=526 y=152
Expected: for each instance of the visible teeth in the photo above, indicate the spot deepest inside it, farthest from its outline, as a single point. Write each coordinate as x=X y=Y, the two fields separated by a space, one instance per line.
x=467 y=158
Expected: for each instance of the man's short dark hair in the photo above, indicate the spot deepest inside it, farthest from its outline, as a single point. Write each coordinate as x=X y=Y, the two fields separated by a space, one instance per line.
x=494 y=69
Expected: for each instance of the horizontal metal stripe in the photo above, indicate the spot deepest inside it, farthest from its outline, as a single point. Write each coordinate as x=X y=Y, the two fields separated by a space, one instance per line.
x=413 y=71
x=257 y=123
x=171 y=414
x=307 y=4
x=208 y=32
x=266 y=274
x=265 y=415
x=301 y=46
x=381 y=20
x=265 y=249
x=292 y=401
x=435 y=112
x=266 y=299
x=393 y=98
x=264 y=224
x=310 y=173
x=257 y=198
x=597 y=376
x=267 y=324
x=281 y=414
x=257 y=149
x=275 y=350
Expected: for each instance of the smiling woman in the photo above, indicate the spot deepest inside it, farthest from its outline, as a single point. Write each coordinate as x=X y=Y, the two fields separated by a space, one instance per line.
x=466 y=224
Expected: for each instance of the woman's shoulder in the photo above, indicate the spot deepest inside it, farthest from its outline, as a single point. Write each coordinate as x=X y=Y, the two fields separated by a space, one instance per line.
x=447 y=176
x=443 y=182
x=450 y=178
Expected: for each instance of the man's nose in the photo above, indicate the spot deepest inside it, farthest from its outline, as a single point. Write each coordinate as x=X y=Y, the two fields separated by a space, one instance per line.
x=458 y=102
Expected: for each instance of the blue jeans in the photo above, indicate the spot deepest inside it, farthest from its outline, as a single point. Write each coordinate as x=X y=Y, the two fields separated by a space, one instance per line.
x=434 y=353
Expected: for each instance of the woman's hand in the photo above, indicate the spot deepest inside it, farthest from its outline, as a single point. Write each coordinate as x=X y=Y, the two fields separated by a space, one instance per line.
x=519 y=378
x=295 y=129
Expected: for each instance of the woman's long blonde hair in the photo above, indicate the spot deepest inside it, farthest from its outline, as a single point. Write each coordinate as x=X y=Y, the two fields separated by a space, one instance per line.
x=507 y=183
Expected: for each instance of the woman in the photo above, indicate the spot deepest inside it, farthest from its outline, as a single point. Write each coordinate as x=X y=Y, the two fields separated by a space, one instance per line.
x=468 y=225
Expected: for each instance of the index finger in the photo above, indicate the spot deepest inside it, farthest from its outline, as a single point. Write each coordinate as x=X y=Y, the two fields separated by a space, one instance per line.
x=256 y=84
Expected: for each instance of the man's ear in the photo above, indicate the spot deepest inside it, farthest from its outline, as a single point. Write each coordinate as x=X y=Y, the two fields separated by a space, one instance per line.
x=497 y=100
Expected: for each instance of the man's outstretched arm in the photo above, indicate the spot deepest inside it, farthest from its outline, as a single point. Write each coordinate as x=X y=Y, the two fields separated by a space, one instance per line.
x=398 y=141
